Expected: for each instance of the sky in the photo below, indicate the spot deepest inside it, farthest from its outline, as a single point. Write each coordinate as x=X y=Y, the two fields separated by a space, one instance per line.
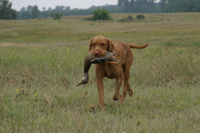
x=83 y=4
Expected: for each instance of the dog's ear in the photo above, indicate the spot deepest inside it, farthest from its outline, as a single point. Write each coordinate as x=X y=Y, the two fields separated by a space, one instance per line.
x=90 y=45
x=110 y=45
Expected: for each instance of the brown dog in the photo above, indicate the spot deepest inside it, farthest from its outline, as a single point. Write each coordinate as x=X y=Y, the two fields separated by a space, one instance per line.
x=119 y=71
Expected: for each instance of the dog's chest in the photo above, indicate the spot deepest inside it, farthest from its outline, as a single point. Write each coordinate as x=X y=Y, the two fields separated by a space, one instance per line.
x=111 y=71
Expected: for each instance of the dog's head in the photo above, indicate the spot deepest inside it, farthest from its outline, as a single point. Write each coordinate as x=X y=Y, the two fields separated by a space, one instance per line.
x=99 y=45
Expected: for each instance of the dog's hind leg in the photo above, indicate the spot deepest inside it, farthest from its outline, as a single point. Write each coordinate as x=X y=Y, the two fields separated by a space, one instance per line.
x=117 y=96
x=130 y=90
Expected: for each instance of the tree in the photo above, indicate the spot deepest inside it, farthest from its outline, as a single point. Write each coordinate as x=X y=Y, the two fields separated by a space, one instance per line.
x=101 y=14
x=35 y=12
x=121 y=3
x=23 y=13
x=29 y=8
x=43 y=9
x=56 y=15
x=180 y=5
x=6 y=11
x=163 y=4
x=138 y=6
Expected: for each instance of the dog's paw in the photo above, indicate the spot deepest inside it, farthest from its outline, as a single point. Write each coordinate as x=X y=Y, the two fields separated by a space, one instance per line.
x=102 y=107
x=130 y=92
x=116 y=97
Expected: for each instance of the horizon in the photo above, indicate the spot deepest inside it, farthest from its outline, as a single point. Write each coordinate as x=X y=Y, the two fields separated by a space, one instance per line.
x=52 y=3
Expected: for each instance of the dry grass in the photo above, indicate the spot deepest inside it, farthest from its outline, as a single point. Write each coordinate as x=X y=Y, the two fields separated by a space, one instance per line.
x=41 y=61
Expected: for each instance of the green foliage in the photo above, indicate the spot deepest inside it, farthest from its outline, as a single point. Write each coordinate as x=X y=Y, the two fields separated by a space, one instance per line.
x=140 y=17
x=6 y=11
x=162 y=6
x=31 y=12
x=101 y=14
x=126 y=6
x=131 y=19
x=56 y=15
x=180 y=5
x=39 y=72
x=139 y=6
x=25 y=12
x=35 y=12
x=127 y=19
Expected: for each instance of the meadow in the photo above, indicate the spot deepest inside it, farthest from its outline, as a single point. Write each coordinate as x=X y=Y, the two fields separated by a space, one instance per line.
x=41 y=62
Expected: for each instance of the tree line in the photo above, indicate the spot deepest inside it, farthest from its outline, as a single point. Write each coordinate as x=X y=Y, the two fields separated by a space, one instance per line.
x=180 y=5
x=123 y=6
x=149 y=6
x=33 y=11
x=141 y=6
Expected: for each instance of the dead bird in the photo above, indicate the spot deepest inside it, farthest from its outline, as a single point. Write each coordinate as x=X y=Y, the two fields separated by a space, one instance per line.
x=90 y=59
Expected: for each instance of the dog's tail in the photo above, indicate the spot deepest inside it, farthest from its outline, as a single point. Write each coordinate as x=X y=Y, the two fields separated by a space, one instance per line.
x=138 y=46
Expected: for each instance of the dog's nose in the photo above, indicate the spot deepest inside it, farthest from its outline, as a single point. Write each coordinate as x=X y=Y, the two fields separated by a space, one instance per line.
x=96 y=53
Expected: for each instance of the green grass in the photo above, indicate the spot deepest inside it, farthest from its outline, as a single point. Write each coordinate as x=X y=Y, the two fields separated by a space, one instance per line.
x=41 y=62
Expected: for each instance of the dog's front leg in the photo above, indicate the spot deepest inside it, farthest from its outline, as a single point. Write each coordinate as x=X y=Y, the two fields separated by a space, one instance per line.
x=100 y=88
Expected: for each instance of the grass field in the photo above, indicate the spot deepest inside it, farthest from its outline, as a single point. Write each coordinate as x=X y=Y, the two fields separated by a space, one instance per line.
x=41 y=62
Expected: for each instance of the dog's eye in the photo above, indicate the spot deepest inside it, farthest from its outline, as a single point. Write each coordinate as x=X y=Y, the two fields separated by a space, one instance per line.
x=103 y=44
x=93 y=45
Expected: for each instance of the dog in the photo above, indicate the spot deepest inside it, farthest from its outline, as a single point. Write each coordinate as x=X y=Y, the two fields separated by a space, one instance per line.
x=120 y=71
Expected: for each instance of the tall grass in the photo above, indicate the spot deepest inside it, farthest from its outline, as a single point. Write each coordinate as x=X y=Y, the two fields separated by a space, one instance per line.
x=38 y=77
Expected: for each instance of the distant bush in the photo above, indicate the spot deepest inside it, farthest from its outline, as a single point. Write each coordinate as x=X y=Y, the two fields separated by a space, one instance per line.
x=126 y=19
x=100 y=14
x=129 y=17
x=140 y=17
x=56 y=15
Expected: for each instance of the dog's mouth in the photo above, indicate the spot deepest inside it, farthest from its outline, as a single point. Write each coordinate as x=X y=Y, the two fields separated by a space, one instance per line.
x=98 y=54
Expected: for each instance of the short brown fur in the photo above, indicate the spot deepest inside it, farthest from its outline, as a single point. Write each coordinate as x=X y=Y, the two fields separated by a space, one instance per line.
x=120 y=71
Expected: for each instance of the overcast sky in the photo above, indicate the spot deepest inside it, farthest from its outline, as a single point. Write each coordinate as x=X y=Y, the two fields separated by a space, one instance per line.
x=18 y=4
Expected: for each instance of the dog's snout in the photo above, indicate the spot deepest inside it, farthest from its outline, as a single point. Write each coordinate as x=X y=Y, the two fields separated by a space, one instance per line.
x=96 y=53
